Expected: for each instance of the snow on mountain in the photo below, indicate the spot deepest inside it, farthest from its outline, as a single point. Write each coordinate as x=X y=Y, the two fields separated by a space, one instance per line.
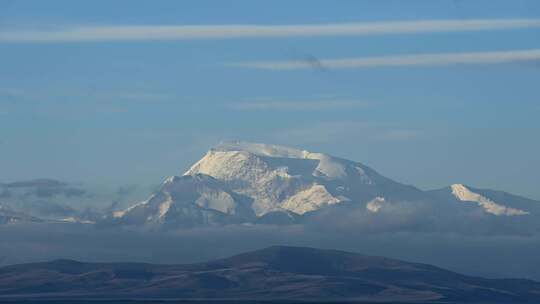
x=311 y=199
x=375 y=204
x=239 y=182
x=187 y=201
x=327 y=166
x=300 y=181
x=9 y=216
x=47 y=199
x=462 y=193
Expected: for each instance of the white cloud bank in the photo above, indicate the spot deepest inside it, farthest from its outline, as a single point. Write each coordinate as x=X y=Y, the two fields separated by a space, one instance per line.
x=399 y=61
x=185 y=32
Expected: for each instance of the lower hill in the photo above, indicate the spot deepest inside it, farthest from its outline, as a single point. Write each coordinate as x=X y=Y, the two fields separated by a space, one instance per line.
x=274 y=273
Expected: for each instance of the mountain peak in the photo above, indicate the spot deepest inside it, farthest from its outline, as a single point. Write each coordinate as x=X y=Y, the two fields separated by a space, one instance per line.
x=282 y=178
x=261 y=149
x=245 y=154
x=309 y=260
x=466 y=194
x=243 y=182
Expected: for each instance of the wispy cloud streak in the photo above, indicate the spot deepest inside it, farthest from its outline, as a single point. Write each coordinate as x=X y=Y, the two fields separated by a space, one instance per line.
x=190 y=32
x=341 y=132
x=401 y=60
x=319 y=105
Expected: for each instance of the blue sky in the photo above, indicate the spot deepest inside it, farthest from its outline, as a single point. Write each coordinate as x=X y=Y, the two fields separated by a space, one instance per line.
x=93 y=94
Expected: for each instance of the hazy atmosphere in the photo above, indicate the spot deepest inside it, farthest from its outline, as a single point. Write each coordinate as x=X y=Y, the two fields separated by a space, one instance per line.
x=177 y=132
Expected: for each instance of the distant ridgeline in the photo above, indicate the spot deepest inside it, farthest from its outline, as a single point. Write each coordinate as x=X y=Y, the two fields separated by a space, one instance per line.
x=272 y=274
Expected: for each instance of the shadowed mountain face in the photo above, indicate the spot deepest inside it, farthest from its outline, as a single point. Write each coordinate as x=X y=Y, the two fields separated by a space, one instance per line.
x=274 y=273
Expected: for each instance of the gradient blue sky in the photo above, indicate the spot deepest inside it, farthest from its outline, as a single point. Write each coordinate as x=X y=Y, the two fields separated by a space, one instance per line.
x=135 y=111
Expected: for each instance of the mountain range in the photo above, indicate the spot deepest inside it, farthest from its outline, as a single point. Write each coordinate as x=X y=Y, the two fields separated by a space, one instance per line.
x=271 y=274
x=251 y=183
x=239 y=182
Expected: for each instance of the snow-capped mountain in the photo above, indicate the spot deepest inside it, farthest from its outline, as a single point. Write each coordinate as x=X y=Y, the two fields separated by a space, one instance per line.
x=462 y=193
x=9 y=216
x=281 y=178
x=239 y=182
x=495 y=203
x=42 y=198
x=56 y=201
x=187 y=201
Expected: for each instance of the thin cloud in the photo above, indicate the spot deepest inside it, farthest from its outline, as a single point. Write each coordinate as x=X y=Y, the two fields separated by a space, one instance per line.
x=83 y=94
x=190 y=32
x=427 y=60
x=338 y=132
x=298 y=105
x=400 y=135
